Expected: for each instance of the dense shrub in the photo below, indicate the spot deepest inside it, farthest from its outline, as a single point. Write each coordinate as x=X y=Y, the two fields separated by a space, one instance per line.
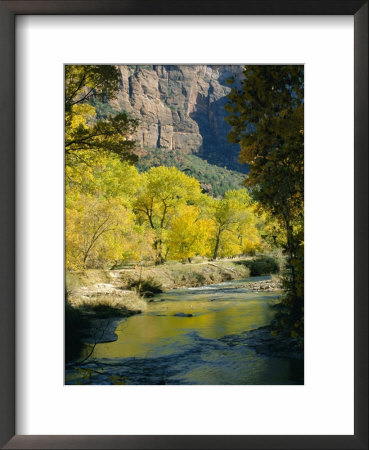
x=147 y=288
x=263 y=265
x=198 y=278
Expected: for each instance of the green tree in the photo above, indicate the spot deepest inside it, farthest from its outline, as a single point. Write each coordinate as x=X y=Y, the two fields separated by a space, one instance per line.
x=82 y=130
x=267 y=120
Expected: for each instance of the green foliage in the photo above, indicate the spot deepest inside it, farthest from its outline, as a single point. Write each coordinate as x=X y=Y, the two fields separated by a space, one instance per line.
x=267 y=120
x=83 y=130
x=85 y=81
x=214 y=180
x=103 y=108
x=264 y=265
x=109 y=135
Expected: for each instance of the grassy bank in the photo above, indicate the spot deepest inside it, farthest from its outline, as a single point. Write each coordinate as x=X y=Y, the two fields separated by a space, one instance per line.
x=122 y=283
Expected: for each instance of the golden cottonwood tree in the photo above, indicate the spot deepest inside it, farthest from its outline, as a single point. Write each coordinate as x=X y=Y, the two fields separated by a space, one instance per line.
x=103 y=174
x=100 y=225
x=97 y=231
x=114 y=213
x=189 y=234
x=163 y=190
x=247 y=229
x=234 y=221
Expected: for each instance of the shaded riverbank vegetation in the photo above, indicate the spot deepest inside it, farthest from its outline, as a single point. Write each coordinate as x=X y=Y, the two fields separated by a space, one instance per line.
x=266 y=114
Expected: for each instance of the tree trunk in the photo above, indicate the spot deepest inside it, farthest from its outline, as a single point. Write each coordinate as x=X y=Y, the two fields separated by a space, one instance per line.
x=215 y=254
x=159 y=259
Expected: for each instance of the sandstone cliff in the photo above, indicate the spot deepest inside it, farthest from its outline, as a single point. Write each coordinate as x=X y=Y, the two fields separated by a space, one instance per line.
x=180 y=108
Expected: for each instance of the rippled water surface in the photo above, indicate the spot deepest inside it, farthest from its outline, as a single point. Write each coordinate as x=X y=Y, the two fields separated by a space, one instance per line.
x=160 y=347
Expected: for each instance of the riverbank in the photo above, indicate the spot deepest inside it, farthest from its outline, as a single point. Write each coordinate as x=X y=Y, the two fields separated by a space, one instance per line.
x=172 y=275
x=97 y=299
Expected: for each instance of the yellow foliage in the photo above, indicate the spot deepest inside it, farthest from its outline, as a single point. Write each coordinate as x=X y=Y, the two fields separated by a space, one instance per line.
x=82 y=113
x=189 y=235
x=114 y=214
x=97 y=231
x=235 y=225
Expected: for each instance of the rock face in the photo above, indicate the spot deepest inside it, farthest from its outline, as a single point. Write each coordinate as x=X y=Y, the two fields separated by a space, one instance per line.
x=180 y=108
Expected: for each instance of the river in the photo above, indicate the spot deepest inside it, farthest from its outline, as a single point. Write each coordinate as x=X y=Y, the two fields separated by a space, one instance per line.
x=191 y=336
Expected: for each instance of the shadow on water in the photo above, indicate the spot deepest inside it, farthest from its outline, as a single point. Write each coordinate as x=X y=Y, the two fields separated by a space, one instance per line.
x=179 y=341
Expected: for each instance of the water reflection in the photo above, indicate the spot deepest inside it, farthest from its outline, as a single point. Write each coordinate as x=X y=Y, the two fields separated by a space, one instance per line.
x=159 y=331
x=158 y=347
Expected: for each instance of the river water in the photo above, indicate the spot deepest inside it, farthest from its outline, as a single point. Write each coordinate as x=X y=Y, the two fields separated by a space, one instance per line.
x=191 y=336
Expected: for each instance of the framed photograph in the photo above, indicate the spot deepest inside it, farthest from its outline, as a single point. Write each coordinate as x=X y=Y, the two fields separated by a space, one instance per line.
x=184 y=225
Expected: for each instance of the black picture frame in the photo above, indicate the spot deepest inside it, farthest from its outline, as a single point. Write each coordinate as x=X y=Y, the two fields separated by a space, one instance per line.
x=8 y=12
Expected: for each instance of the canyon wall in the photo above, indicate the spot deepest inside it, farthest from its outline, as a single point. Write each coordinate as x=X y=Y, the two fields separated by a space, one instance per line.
x=180 y=107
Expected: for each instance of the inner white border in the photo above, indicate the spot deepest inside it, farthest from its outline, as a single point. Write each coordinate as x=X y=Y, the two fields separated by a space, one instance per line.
x=325 y=404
